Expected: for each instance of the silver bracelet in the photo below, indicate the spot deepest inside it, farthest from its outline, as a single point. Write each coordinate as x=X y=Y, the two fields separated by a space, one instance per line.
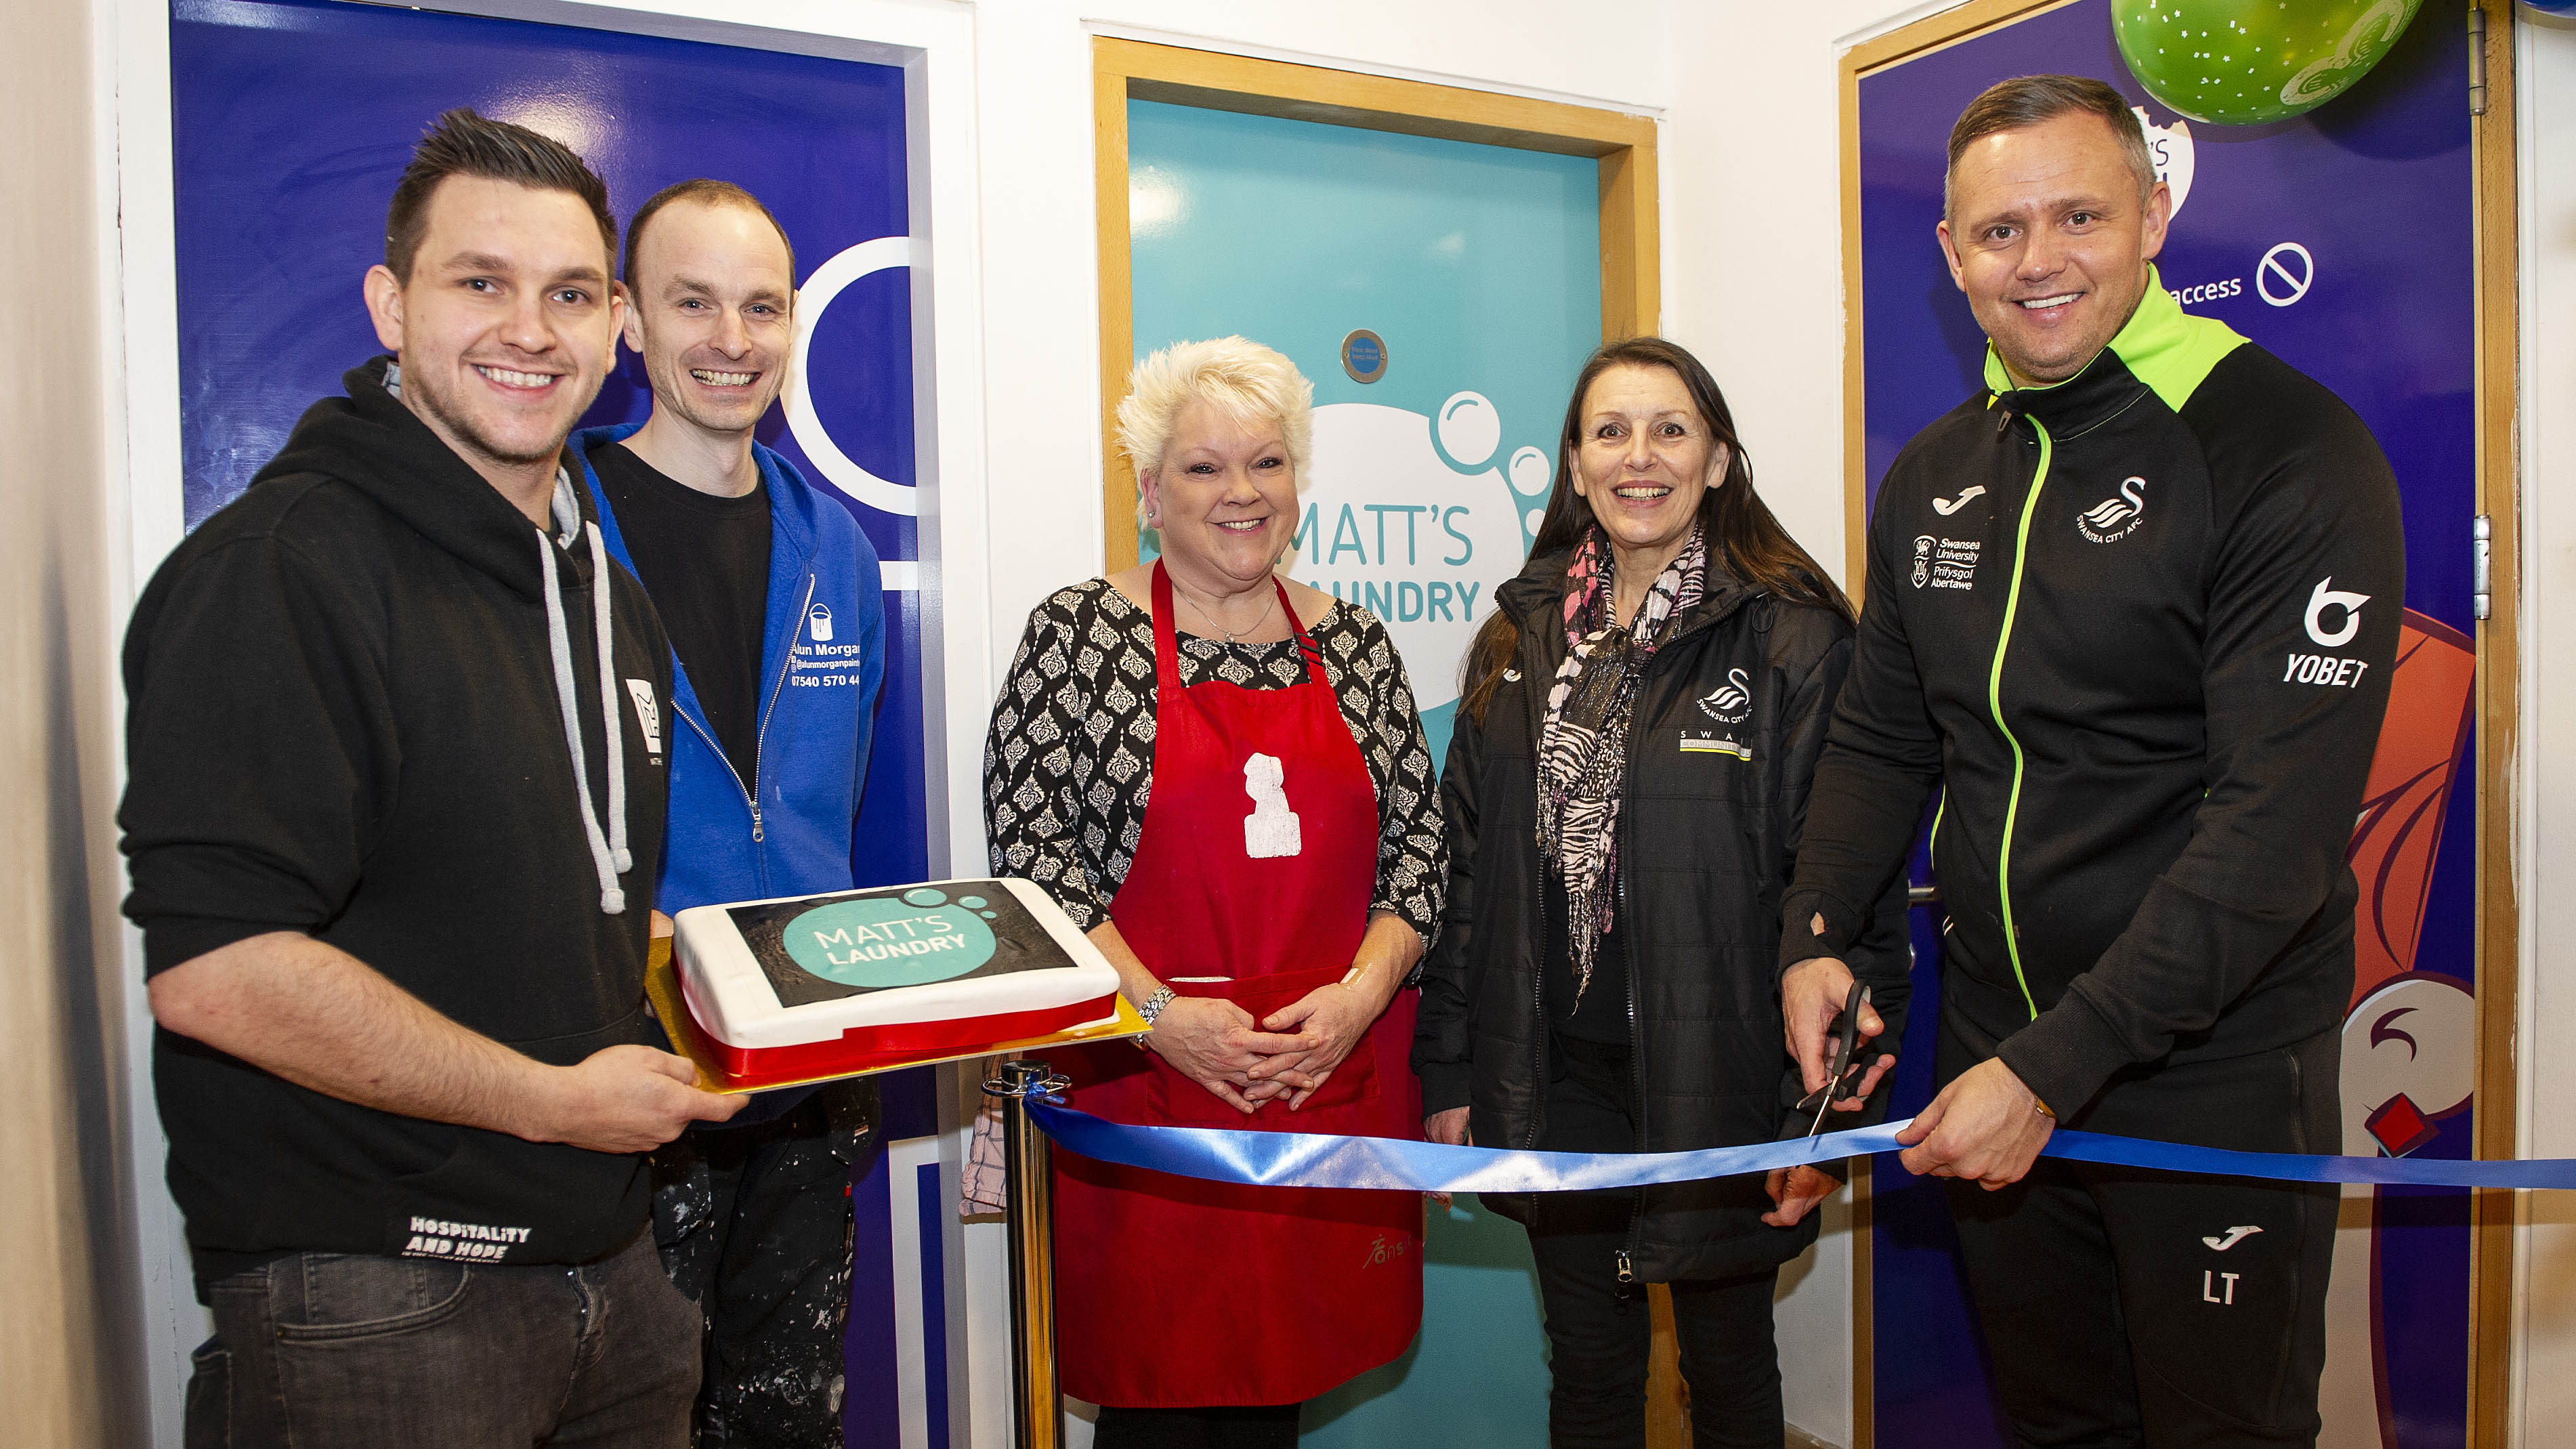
x=1151 y=1008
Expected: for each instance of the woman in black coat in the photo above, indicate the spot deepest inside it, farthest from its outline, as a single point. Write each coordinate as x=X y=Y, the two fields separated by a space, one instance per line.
x=1623 y=798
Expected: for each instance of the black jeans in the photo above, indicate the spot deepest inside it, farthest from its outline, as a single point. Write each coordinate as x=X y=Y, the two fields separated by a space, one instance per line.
x=343 y=1351
x=1270 y=1426
x=2125 y=1308
x=754 y=1226
x=1598 y=1329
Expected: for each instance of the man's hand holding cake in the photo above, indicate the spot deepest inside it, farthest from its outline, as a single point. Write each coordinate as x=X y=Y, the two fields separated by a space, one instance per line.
x=326 y=1021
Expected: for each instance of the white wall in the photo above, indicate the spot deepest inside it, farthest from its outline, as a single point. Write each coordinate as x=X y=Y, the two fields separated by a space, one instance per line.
x=2545 y=1303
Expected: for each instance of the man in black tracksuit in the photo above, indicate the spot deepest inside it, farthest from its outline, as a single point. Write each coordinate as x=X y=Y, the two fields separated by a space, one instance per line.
x=2133 y=610
x=396 y=749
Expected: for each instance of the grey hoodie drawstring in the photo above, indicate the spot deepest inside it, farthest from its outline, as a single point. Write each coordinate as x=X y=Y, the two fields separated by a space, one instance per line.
x=608 y=852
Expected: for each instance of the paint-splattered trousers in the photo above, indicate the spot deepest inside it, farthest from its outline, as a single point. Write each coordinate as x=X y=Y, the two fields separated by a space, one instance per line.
x=754 y=1227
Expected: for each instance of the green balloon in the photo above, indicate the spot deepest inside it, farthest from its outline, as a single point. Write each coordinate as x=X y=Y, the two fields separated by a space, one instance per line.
x=2243 y=62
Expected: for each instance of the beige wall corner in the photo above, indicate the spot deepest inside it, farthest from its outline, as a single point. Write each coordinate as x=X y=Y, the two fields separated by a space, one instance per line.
x=69 y=1346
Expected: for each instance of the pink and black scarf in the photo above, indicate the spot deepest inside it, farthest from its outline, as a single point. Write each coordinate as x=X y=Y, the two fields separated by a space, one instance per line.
x=1583 y=745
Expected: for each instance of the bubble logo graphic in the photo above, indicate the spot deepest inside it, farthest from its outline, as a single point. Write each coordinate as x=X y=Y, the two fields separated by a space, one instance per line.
x=1470 y=429
x=1417 y=518
x=881 y=943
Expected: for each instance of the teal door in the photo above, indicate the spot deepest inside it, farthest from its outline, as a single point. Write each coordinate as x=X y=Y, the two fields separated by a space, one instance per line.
x=1475 y=274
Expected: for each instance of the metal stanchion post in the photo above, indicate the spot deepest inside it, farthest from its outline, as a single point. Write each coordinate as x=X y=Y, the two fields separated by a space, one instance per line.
x=1038 y=1407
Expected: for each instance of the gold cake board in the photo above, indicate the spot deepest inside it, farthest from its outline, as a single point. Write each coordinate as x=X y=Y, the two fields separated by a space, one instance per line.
x=662 y=988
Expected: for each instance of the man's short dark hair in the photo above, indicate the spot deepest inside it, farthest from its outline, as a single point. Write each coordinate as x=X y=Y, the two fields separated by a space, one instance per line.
x=2030 y=100
x=462 y=143
x=706 y=193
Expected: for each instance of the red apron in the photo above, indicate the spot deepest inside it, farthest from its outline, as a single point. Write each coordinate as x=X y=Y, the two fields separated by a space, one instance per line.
x=1173 y=1292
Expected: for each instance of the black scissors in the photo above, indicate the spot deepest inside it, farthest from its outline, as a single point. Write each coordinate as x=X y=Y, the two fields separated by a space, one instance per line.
x=1844 y=1082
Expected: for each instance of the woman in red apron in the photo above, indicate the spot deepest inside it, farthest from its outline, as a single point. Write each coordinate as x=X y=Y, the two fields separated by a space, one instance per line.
x=1222 y=775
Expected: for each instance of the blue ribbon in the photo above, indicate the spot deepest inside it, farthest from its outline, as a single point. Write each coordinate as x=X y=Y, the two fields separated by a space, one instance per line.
x=1302 y=1159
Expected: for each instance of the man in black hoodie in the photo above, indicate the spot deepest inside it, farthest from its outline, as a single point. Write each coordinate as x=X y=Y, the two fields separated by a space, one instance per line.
x=394 y=810
x=2132 y=607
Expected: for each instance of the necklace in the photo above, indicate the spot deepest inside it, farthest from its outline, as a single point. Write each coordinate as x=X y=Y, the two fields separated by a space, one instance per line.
x=1232 y=636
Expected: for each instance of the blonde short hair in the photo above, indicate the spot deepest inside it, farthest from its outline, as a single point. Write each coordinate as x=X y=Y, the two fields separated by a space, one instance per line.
x=1239 y=377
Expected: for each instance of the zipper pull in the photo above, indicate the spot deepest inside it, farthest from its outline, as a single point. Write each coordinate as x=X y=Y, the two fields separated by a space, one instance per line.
x=1627 y=1270
x=755 y=822
x=2003 y=420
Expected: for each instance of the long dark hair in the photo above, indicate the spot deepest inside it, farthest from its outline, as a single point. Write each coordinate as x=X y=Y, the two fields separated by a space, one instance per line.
x=1742 y=533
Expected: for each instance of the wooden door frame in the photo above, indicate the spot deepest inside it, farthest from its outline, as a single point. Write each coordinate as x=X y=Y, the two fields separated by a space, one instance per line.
x=2498 y=491
x=1125 y=70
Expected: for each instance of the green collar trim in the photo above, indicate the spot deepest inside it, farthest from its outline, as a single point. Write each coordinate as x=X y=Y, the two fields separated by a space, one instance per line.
x=2163 y=346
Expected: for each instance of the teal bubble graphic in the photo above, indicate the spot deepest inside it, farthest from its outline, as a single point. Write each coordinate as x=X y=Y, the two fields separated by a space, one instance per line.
x=972 y=903
x=882 y=943
x=928 y=897
x=990 y=915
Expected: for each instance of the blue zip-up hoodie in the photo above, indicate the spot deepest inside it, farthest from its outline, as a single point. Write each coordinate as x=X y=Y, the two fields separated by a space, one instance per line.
x=822 y=658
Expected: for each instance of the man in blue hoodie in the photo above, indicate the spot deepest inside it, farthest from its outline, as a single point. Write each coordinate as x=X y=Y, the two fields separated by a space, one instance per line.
x=771 y=597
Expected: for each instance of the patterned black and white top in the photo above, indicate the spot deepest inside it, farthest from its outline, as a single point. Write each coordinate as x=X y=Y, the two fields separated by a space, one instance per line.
x=1069 y=762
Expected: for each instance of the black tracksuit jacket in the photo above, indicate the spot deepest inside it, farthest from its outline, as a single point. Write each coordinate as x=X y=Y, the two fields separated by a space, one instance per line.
x=343 y=720
x=2138 y=628
x=1729 y=717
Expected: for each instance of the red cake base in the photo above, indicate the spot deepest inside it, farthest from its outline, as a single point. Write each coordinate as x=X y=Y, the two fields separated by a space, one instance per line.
x=863 y=1049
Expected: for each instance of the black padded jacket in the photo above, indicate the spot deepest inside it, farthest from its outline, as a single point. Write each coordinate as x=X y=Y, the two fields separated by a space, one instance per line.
x=1729 y=718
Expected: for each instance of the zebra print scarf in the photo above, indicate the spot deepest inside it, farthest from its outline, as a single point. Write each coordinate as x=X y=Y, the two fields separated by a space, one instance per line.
x=1583 y=745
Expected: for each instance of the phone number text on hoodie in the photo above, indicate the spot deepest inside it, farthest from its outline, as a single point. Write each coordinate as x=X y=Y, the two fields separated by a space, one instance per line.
x=823 y=666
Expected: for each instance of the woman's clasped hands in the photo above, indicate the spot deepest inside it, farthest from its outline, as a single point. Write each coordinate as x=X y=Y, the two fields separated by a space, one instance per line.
x=1246 y=1062
x=1217 y=1044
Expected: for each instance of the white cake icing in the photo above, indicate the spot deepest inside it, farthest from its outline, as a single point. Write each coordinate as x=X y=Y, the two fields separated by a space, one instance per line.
x=734 y=1000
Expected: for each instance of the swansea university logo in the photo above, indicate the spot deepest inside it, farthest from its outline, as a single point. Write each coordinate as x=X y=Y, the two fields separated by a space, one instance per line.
x=2115 y=517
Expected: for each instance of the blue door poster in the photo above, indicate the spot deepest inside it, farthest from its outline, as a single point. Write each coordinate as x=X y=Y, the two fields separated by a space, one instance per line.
x=292 y=120
x=1468 y=277
x=2341 y=241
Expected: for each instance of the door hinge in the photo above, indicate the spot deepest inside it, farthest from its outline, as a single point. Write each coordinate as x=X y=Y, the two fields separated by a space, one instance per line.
x=2481 y=588
x=2477 y=66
